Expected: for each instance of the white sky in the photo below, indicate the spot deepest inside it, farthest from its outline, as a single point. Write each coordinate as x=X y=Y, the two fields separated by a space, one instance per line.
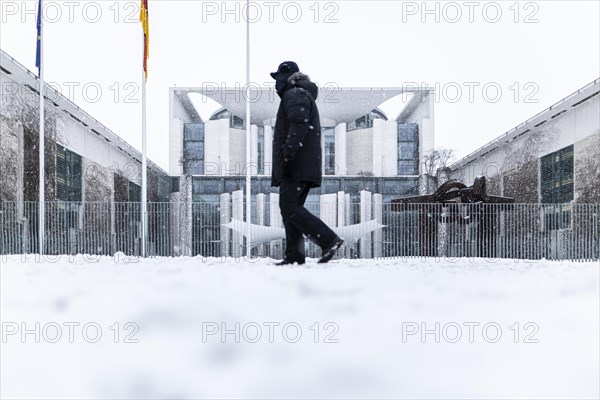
x=364 y=44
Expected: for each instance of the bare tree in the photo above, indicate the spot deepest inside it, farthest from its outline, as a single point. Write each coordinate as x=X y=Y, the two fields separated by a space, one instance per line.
x=587 y=172
x=97 y=180
x=436 y=160
x=521 y=152
x=20 y=104
x=519 y=167
x=434 y=163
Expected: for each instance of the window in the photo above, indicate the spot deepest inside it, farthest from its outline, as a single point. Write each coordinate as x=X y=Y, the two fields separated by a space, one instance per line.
x=408 y=149
x=207 y=185
x=193 y=149
x=234 y=121
x=135 y=193
x=261 y=150
x=329 y=146
x=68 y=175
x=556 y=181
x=366 y=121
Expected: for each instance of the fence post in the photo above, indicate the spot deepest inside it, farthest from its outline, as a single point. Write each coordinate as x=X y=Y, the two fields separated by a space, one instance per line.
x=276 y=246
x=237 y=212
x=225 y=219
x=378 y=233
x=365 y=215
x=260 y=219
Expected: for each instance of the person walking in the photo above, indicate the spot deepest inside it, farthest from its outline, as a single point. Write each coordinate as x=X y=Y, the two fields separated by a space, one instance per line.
x=297 y=164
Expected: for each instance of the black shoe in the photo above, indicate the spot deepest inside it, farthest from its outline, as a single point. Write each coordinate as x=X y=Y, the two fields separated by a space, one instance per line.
x=329 y=252
x=288 y=262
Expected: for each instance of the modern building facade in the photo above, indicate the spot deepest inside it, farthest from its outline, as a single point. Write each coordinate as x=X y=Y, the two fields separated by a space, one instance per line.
x=552 y=158
x=363 y=149
x=85 y=161
x=92 y=176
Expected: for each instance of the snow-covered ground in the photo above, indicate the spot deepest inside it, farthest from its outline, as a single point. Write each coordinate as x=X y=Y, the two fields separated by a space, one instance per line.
x=345 y=329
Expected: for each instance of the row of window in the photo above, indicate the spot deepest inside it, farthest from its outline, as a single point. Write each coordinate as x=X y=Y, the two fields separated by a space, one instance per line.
x=387 y=186
x=556 y=176
x=69 y=180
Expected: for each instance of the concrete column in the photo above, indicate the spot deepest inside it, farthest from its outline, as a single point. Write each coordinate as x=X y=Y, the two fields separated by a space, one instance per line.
x=365 y=215
x=276 y=246
x=340 y=149
x=237 y=212
x=175 y=146
x=174 y=222
x=268 y=133
x=347 y=220
x=260 y=219
x=341 y=219
x=378 y=144
x=186 y=216
x=426 y=130
x=328 y=209
x=390 y=149
x=253 y=150
x=225 y=219
x=378 y=233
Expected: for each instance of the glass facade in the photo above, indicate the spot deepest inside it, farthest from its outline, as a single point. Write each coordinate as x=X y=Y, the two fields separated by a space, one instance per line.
x=556 y=184
x=261 y=150
x=210 y=188
x=329 y=147
x=68 y=175
x=556 y=180
x=193 y=149
x=366 y=121
x=135 y=192
x=408 y=149
x=234 y=121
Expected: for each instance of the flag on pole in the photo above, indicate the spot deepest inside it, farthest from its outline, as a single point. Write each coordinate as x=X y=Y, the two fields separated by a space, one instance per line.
x=39 y=38
x=146 y=28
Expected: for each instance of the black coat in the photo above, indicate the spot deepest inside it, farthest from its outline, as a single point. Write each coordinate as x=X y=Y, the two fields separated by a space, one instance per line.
x=297 y=133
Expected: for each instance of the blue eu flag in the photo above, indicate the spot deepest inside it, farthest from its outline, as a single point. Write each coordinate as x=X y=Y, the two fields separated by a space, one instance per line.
x=39 y=38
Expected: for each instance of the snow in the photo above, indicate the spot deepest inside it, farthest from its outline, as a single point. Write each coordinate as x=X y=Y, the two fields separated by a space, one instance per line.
x=177 y=302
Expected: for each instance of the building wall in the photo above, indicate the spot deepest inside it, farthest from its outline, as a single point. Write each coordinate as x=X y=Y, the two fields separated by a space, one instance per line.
x=587 y=169
x=516 y=161
x=8 y=159
x=237 y=152
x=98 y=182
x=103 y=153
x=359 y=151
x=216 y=146
x=178 y=116
x=423 y=115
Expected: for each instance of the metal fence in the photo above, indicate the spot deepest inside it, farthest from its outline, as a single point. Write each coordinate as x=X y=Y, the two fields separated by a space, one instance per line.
x=519 y=231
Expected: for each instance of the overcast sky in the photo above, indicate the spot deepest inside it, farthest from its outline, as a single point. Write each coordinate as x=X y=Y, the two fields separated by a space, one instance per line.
x=535 y=53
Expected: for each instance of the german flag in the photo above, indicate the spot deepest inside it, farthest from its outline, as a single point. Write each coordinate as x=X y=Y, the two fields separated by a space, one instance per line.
x=38 y=55
x=146 y=28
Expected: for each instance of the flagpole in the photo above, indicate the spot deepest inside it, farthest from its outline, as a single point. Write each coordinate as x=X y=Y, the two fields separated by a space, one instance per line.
x=144 y=169
x=248 y=156
x=42 y=145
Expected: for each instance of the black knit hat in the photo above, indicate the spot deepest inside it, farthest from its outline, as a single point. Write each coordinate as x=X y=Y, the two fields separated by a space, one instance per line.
x=286 y=67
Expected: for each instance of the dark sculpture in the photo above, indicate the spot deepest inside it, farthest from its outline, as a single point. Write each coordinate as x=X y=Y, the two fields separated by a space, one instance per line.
x=445 y=204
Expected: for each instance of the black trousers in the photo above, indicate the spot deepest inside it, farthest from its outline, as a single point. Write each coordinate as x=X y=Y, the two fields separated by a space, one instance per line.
x=298 y=221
